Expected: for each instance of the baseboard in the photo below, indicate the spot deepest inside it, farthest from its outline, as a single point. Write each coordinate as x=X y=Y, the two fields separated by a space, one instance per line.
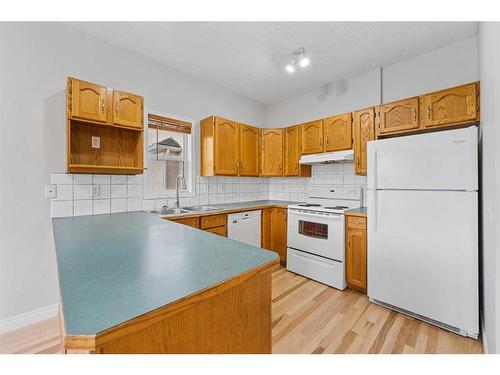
x=484 y=339
x=28 y=318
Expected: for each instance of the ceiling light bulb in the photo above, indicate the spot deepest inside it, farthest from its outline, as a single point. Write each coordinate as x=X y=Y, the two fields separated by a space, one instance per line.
x=290 y=68
x=304 y=61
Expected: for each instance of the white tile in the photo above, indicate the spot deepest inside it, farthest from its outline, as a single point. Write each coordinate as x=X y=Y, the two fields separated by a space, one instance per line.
x=82 y=191
x=134 y=204
x=62 y=208
x=212 y=189
x=203 y=199
x=348 y=179
x=64 y=193
x=61 y=179
x=118 y=179
x=83 y=207
x=133 y=191
x=83 y=179
x=102 y=206
x=104 y=192
x=119 y=205
x=203 y=189
x=159 y=203
x=134 y=180
x=338 y=179
x=100 y=179
x=148 y=204
x=118 y=191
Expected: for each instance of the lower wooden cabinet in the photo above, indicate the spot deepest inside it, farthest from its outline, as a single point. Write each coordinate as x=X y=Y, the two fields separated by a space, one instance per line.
x=221 y=231
x=216 y=224
x=189 y=221
x=274 y=231
x=356 y=253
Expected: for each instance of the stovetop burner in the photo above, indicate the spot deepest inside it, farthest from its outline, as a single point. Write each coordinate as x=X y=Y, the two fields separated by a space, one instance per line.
x=337 y=208
x=309 y=205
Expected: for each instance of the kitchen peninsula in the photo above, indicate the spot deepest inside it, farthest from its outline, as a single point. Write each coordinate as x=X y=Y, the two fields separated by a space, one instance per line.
x=136 y=283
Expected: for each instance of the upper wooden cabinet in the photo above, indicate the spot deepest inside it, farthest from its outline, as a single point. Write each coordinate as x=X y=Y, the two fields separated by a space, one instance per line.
x=86 y=101
x=312 y=137
x=450 y=107
x=364 y=131
x=219 y=141
x=291 y=140
x=272 y=152
x=127 y=109
x=398 y=117
x=249 y=150
x=338 y=132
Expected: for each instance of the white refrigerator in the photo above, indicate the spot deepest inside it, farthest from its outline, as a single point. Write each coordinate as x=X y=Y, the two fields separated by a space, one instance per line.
x=423 y=227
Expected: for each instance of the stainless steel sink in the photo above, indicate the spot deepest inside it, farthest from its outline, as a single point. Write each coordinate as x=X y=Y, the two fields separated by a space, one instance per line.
x=171 y=211
x=202 y=208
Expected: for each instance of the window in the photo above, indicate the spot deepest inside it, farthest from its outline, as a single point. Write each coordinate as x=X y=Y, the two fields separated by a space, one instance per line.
x=168 y=154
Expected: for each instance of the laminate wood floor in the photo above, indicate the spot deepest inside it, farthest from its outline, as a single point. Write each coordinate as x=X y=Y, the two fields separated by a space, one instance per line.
x=308 y=317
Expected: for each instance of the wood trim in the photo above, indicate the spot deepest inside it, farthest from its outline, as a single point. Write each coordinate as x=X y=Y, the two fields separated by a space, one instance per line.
x=167 y=123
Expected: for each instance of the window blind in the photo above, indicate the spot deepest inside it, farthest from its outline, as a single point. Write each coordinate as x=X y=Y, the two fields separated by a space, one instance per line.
x=166 y=123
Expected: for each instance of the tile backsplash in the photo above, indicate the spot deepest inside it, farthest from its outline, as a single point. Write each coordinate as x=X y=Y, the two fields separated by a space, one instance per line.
x=120 y=193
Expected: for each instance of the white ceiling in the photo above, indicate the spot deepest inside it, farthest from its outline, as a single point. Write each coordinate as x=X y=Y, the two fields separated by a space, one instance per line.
x=249 y=57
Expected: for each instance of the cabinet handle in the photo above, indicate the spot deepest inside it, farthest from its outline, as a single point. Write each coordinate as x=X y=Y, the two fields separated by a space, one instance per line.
x=102 y=105
x=429 y=112
x=414 y=115
x=116 y=109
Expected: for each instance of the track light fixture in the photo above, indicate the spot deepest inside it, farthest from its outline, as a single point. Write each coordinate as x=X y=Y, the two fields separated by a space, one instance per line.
x=299 y=59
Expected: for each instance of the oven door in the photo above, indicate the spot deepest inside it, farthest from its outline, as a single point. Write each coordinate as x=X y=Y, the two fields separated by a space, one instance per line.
x=317 y=234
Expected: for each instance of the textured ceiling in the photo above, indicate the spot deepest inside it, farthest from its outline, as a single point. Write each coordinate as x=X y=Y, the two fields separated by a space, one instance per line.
x=249 y=57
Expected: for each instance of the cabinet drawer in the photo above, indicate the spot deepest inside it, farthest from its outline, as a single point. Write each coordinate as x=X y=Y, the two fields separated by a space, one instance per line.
x=190 y=221
x=213 y=221
x=221 y=231
x=356 y=222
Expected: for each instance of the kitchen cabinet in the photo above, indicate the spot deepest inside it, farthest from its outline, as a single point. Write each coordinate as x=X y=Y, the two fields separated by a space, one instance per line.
x=219 y=142
x=274 y=231
x=127 y=109
x=453 y=106
x=216 y=224
x=364 y=131
x=189 y=221
x=86 y=101
x=312 y=137
x=338 y=132
x=89 y=118
x=271 y=152
x=249 y=150
x=356 y=253
x=398 y=117
x=291 y=143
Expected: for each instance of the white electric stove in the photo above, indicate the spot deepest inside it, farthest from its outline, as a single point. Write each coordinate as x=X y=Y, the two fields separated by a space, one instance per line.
x=316 y=234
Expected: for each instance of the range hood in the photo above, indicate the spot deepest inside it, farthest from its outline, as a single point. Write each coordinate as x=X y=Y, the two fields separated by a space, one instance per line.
x=328 y=157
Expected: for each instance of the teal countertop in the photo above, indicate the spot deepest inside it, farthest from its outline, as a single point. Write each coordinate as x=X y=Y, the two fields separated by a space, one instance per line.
x=115 y=267
x=361 y=210
x=250 y=204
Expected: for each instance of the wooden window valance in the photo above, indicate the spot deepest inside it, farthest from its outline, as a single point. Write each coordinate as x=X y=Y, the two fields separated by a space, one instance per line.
x=166 y=123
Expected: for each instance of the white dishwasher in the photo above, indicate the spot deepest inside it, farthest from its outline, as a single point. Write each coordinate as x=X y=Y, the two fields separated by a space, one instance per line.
x=245 y=227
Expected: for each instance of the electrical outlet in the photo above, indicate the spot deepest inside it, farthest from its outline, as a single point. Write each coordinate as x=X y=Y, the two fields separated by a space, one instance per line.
x=50 y=191
x=96 y=191
x=96 y=142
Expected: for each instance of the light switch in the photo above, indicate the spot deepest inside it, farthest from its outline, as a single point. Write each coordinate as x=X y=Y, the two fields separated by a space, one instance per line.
x=50 y=191
x=96 y=142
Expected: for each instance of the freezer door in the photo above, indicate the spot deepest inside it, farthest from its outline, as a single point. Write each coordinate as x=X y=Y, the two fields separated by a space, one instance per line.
x=423 y=254
x=445 y=160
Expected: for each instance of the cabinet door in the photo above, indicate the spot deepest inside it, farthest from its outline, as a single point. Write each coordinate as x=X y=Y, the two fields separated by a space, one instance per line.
x=399 y=117
x=226 y=144
x=356 y=258
x=448 y=107
x=249 y=150
x=266 y=228
x=312 y=137
x=272 y=152
x=338 y=132
x=87 y=100
x=279 y=232
x=127 y=109
x=292 y=151
x=364 y=131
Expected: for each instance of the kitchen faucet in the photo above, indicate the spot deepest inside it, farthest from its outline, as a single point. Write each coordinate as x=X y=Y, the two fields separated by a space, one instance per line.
x=183 y=181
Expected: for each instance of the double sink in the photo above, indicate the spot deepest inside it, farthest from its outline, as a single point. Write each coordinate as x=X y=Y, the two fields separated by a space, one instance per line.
x=185 y=210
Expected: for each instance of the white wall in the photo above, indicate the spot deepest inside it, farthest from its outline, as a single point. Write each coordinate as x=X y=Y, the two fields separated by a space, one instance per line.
x=489 y=71
x=35 y=60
